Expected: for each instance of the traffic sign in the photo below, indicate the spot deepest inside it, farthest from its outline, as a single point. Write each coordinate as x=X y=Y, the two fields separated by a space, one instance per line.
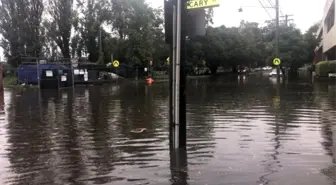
x=276 y=61
x=116 y=63
x=168 y=60
x=193 y=4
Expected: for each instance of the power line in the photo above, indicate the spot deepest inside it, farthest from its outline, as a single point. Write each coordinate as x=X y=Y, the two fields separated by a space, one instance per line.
x=280 y=11
x=286 y=19
x=272 y=5
x=265 y=9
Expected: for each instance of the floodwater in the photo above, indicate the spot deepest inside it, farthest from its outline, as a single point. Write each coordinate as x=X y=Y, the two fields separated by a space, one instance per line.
x=245 y=131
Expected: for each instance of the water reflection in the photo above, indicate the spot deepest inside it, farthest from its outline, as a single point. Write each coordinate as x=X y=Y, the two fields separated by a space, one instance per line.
x=179 y=167
x=252 y=132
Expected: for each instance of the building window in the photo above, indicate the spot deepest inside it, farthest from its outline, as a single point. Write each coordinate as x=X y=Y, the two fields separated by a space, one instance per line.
x=330 y=18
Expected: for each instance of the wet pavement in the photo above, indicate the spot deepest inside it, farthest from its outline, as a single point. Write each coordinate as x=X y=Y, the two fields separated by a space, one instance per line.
x=245 y=131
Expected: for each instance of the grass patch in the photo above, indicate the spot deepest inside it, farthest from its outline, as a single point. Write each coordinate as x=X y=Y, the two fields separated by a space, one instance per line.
x=10 y=81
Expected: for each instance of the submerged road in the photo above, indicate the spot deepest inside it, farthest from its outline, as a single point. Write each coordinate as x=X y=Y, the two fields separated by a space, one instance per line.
x=245 y=131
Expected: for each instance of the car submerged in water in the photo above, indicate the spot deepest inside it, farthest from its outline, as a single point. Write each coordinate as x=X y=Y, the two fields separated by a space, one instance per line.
x=243 y=71
x=274 y=73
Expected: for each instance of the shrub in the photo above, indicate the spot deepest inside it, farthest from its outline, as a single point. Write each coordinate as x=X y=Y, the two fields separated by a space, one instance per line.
x=322 y=69
x=332 y=66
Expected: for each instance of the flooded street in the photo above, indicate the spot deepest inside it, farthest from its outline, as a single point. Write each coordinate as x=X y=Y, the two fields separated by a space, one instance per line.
x=246 y=131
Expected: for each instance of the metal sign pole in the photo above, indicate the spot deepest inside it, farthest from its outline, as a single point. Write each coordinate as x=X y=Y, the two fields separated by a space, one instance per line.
x=38 y=73
x=277 y=37
x=175 y=136
x=177 y=73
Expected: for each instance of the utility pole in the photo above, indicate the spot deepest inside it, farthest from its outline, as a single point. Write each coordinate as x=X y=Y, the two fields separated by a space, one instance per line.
x=100 y=59
x=286 y=19
x=100 y=40
x=180 y=77
x=177 y=100
x=277 y=37
x=176 y=29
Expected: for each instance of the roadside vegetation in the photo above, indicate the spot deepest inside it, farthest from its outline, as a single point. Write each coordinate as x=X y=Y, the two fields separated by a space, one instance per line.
x=132 y=32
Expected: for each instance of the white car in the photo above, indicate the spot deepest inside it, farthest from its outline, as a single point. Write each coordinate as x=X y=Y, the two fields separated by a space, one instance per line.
x=274 y=73
x=242 y=70
x=266 y=68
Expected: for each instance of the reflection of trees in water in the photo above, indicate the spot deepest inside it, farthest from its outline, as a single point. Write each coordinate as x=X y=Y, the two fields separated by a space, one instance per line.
x=141 y=106
x=178 y=166
x=239 y=101
x=272 y=162
x=59 y=111
x=101 y=144
x=228 y=97
x=292 y=104
x=329 y=145
x=50 y=148
x=69 y=139
x=325 y=100
x=31 y=138
x=69 y=165
x=27 y=152
x=327 y=134
x=200 y=124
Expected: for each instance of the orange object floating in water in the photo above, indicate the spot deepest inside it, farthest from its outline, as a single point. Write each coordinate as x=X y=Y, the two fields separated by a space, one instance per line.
x=149 y=80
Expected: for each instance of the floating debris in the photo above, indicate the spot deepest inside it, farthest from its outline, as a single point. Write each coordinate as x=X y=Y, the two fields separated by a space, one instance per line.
x=138 y=130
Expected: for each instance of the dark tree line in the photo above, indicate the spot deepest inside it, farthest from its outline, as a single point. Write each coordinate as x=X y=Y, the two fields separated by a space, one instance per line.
x=252 y=45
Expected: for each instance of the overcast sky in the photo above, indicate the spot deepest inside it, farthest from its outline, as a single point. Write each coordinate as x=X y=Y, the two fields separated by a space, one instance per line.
x=305 y=12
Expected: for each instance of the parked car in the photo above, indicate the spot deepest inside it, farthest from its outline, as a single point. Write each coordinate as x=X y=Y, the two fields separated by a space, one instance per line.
x=267 y=68
x=243 y=71
x=274 y=73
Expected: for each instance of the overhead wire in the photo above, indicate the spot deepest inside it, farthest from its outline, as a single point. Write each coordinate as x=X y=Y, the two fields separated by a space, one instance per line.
x=272 y=5
x=265 y=9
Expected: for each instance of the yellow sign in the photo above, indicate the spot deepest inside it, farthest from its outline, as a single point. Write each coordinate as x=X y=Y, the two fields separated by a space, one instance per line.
x=192 y=4
x=168 y=59
x=116 y=63
x=276 y=101
x=277 y=61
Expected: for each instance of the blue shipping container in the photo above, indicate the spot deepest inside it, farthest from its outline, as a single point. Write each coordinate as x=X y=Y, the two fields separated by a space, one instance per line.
x=28 y=73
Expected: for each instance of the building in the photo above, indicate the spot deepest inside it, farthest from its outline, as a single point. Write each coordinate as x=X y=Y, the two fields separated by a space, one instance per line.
x=327 y=33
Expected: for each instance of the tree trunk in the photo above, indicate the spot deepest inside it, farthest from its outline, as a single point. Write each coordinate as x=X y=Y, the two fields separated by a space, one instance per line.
x=213 y=69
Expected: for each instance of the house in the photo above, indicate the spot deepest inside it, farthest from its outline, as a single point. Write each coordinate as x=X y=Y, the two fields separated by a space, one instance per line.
x=326 y=50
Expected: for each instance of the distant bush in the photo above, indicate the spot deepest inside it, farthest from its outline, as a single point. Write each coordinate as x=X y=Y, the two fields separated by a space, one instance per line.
x=304 y=71
x=332 y=66
x=321 y=68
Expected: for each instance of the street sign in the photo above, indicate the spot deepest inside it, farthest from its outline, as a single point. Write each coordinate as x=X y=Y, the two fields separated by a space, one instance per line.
x=168 y=59
x=196 y=24
x=276 y=61
x=193 y=4
x=116 y=63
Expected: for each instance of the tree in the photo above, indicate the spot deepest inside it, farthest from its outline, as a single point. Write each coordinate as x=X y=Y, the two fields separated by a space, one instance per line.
x=92 y=15
x=132 y=31
x=60 y=24
x=312 y=41
x=21 y=28
x=10 y=30
x=139 y=28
